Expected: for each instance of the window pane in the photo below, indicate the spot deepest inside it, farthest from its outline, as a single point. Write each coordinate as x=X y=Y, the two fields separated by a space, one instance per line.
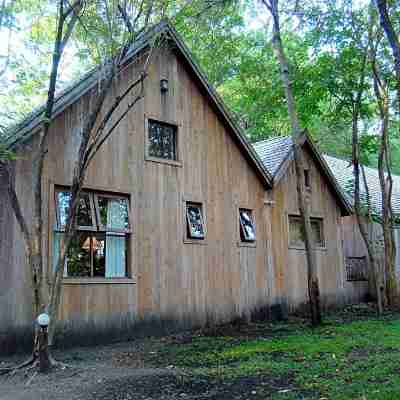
x=162 y=140
x=195 y=223
x=316 y=231
x=84 y=217
x=247 y=231
x=113 y=213
x=296 y=236
x=307 y=178
x=99 y=255
x=79 y=256
x=63 y=199
x=115 y=257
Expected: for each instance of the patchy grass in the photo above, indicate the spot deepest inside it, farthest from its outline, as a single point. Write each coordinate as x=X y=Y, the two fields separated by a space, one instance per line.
x=286 y=361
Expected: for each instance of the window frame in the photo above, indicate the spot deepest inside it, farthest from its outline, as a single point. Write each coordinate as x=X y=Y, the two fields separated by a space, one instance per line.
x=246 y=243
x=58 y=226
x=186 y=238
x=301 y=246
x=94 y=230
x=101 y=227
x=362 y=276
x=147 y=156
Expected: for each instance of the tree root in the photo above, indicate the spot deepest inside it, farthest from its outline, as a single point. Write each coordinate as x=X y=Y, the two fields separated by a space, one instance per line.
x=31 y=363
x=12 y=370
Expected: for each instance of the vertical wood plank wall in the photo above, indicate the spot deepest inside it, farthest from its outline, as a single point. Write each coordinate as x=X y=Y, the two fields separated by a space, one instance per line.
x=176 y=283
x=290 y=263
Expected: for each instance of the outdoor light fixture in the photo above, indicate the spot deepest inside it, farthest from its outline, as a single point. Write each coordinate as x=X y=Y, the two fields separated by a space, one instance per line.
x=164 y=85
x=44 y=361
x=43 y=320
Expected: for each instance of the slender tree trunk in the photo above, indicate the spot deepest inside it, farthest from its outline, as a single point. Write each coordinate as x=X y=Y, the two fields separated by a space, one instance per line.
x=386 y=184
x=303 y=201
x=373 y=264
x=386 y=24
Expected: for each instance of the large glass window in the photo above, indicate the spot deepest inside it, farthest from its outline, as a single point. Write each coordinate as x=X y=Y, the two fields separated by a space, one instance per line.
x=99 y=248
x=247 y=229
x=162 y=140
x=296 y=233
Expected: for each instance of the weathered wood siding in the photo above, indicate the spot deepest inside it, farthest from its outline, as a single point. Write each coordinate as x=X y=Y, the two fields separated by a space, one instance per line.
x=290 y=263
x=175 y=283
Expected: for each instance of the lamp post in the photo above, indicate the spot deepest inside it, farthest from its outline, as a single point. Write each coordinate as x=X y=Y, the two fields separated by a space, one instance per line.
x=44 y=361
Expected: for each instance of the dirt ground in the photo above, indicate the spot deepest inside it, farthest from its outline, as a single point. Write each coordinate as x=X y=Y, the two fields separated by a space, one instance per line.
x=351 y=356
x=122 y=371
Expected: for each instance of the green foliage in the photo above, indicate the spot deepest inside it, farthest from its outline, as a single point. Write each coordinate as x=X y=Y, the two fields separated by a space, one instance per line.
x=336 y=361
x=6 y=154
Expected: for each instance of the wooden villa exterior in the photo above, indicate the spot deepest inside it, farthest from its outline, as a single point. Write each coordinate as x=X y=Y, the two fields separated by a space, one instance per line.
x=182 y=223
x=328 y=206
x=355 y=251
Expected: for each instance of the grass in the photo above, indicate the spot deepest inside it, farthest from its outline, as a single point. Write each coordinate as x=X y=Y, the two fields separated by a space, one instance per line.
x=342 y=359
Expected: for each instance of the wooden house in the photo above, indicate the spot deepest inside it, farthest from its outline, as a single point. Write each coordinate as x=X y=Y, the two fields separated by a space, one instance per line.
x=328 y=205
x=354 y=248
x=179 y=222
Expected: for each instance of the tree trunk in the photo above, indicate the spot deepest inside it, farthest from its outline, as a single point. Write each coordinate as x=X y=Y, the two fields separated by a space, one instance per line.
x=386 y=184
x=392 y=37
x=303 y=201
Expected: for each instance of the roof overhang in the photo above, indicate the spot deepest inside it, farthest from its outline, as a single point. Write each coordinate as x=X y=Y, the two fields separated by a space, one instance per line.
x=32 y=124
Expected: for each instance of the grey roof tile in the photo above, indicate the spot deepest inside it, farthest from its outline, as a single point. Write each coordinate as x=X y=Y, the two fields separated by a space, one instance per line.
x=273 y=152
x=343 y=171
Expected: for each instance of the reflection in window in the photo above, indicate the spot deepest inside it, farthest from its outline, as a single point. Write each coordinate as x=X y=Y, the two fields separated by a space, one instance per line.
x=99 y=248
x=84 y=217
x=195 y=222
x=247 y=230
x=113 y=213
x=162 y=140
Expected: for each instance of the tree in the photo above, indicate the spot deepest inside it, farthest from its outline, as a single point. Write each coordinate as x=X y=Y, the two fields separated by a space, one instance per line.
x=387 y=25
x=95 y=130
x=312 y=277
x=382 y=88
x=118 y=24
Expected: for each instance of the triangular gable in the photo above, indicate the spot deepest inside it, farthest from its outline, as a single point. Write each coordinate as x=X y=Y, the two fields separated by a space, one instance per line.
x=32 y=124
x=277 y=154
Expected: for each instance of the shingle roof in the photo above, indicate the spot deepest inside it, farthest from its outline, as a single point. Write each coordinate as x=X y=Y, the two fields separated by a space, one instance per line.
x=276 y=154
x=273 y=152
x=343 y=171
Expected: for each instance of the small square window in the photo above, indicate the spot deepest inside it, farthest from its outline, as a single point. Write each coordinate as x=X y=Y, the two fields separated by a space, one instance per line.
x=296 y=232
x=195 y=221
x=356 y=269
x=247 y=230
x=162 y=140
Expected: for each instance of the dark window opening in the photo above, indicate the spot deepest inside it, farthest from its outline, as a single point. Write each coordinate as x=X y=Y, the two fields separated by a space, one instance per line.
x=195 y=221
x=247 y=229
x=307 y=182
x=162 y=140
x=356 y=269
